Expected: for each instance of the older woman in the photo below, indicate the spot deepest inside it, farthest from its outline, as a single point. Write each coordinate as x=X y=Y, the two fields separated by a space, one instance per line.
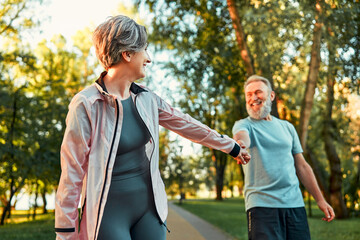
x=110 y=148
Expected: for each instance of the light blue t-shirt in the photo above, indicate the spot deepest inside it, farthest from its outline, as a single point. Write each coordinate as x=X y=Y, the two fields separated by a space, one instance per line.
x=270 y=176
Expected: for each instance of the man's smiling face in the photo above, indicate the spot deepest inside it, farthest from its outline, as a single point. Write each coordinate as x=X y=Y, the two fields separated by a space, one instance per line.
x=258 y=100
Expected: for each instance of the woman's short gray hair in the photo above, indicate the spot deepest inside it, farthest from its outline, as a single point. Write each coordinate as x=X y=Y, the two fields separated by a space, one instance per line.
x=117 y=35
x=256 y=78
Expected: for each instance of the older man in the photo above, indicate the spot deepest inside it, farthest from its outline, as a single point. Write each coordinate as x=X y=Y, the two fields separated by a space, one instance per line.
x=273 y=200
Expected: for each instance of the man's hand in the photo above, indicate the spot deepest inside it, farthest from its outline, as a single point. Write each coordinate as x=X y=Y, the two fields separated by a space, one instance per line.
x=327 y=210
x=243 y=157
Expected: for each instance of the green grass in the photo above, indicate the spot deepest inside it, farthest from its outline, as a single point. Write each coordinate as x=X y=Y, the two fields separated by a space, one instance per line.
x=40 y=229
x=229 y=215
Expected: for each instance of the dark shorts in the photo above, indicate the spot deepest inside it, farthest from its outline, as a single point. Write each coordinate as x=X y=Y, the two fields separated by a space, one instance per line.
x=277 y=224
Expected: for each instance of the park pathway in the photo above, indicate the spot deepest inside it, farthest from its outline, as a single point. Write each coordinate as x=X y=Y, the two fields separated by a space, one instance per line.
x=186 y=226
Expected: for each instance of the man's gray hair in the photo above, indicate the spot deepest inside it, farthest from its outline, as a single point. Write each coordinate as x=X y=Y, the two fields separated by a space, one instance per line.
x=117 y=35
x=256 y=78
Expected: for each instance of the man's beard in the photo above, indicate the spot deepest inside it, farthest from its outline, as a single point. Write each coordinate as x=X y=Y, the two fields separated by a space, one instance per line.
x=262 y=112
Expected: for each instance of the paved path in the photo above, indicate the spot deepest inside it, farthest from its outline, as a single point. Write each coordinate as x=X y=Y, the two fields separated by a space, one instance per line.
x=186 y=226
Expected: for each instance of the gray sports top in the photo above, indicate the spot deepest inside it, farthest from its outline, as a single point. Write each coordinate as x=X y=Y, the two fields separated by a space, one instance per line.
x=131 y=159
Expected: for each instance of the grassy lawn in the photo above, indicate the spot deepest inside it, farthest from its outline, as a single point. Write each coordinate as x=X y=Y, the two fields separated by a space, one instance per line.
x=230 y=216
x=20 y=228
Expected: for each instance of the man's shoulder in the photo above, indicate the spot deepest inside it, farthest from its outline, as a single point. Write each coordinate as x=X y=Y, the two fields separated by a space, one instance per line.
x=282 y=121
x=242 y=121
x=286 y=124
x=240 y=125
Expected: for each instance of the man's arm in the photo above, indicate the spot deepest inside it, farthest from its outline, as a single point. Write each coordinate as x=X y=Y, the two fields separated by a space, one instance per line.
x=242 y=138
x=307 y=178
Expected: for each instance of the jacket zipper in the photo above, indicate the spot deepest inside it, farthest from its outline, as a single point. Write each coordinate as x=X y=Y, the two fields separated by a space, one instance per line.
x=107 y=166
x=161 y=222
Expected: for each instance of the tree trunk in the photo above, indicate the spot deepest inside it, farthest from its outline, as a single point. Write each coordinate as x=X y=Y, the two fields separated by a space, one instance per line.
x=13 y=190
x=232 y=185
x=356 y=184
x=313 y=74
x=43 y=195
x=242 y=174
x=319 y=172
x=308 y=99
x=220 y=160
x=5 y=211
x=357 y=177
x=7 y=208
x=35 y=201
x=181 y=183
x=241 y=38
x=245 y=52
x=336 y=198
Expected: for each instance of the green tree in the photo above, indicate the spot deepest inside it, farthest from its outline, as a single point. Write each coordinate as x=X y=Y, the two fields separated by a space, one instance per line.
x=332 y=17
x=280 y=40
x=340 y=17
x=204 y=65
x=60 y=74
x=17 y=16
x=15 y=63
x=85 y=63
x=16 y=147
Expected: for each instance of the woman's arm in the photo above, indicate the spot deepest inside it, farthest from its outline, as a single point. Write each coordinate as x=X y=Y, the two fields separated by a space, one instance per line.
x=74 y=152
x=190 y=128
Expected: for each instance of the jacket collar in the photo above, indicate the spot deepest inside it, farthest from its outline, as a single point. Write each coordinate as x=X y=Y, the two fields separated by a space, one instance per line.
x=134 y=88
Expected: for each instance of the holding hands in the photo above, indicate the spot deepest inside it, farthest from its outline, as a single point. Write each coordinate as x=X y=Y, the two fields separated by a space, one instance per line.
x=243 y=157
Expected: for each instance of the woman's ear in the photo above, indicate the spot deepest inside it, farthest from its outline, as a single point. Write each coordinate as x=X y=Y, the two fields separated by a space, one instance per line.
x=126 y=56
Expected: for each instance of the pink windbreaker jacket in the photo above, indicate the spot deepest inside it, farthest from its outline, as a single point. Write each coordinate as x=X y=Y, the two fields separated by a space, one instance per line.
x=88 y=151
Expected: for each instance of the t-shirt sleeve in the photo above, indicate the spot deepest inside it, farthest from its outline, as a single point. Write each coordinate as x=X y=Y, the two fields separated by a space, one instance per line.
x=241 y=125
x=296 y=148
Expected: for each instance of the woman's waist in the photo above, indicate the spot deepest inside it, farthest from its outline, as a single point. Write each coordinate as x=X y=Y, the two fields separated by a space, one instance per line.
x=121 y=174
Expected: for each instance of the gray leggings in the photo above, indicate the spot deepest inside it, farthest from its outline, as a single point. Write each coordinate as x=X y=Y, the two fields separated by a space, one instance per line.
x=130 y=212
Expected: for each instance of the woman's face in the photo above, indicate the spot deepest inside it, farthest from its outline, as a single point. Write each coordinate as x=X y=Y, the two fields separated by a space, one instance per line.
x=138 y=63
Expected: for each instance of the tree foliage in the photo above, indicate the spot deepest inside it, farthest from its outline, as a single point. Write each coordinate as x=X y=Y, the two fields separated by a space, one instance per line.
x=206 y=60
x=37 y=84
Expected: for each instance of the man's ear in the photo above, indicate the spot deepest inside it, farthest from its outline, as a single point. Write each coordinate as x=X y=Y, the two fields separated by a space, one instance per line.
x=272 y=95
x=126 y=56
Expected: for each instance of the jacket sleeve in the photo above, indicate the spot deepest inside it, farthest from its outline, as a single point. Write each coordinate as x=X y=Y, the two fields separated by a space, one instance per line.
x=74 y=155
x=190 y=128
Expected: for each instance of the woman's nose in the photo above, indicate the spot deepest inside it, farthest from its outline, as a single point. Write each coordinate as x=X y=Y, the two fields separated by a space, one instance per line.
x=148 y=60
